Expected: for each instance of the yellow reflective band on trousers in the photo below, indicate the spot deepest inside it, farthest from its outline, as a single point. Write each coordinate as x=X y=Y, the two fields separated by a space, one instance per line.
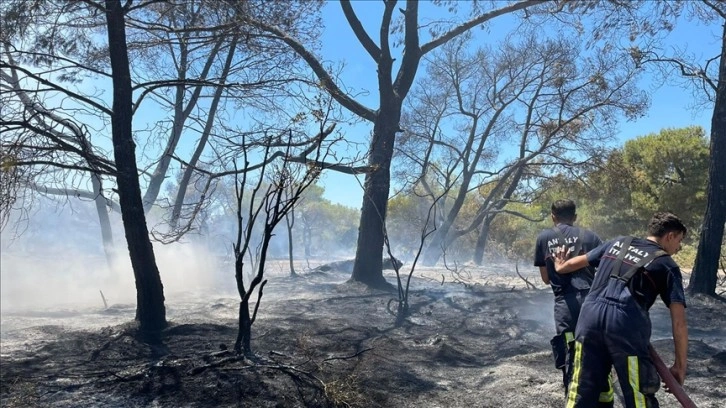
x=634 y=380
x=609 y=395
x=576 y=369
x=569 y=337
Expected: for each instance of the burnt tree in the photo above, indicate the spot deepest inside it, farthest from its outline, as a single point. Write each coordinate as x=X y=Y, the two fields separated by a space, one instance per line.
x=705 y=270
x=150 y=309
x=270 y=202
x=393 y=88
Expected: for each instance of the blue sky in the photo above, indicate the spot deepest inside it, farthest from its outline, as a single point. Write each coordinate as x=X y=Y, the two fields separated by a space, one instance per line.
x=671 y=105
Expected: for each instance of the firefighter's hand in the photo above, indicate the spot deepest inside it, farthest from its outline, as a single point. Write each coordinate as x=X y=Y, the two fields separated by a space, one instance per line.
x=678 y=373
x=560 y=257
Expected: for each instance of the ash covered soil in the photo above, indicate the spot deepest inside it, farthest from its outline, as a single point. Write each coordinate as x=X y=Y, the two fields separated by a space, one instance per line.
x=475 y=338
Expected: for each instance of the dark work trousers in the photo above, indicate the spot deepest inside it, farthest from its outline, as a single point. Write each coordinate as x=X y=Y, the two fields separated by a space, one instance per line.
x=613 y=330
x=567 y=310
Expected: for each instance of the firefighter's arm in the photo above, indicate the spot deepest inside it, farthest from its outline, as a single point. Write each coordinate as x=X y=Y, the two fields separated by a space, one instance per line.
x=563 y=266
x=680 y=340
x=544 y=275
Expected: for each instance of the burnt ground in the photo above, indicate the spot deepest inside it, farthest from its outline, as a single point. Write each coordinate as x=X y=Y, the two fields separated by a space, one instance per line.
x=473 y=339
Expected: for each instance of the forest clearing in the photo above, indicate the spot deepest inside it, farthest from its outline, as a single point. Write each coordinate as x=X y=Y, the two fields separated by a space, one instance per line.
x=479 y=339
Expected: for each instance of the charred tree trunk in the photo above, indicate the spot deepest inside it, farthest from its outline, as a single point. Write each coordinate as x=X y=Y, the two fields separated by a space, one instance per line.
x=244 y=327
x=243 y=344
x=244 y=333
x=368 y=266
x=150 y=310
x=703 y=279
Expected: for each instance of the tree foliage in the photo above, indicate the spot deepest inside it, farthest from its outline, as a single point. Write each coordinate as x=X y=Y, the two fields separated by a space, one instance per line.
x=619 y=192
x=668 y=171
x=663 y=171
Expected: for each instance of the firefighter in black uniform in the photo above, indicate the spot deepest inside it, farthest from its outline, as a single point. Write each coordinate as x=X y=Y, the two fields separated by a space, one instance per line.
x=614 y=326
x=569 y=289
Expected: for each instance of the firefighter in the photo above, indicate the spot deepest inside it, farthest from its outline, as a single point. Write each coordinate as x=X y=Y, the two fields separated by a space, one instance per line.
x=614 y=326
x=569 y=289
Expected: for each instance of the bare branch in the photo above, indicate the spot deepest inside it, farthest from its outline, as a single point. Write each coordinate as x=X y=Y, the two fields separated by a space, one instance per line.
x=325 y=79
x=686 y=70
x=359 y=31
x=476 y=21
x=55 y=87
x=715 y=8
x=67 y=192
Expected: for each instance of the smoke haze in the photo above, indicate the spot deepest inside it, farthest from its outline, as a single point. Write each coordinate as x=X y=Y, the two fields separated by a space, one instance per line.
x=56 y=259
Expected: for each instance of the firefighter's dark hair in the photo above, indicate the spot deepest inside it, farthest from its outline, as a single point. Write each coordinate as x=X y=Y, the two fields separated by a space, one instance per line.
x=665 y=222
x=564 y=210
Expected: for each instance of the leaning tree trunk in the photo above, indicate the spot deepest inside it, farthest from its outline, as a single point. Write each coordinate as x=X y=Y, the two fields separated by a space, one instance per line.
x=481 y=240
x=97 y=187
x=208 y=127
x=439 y=243
x=181 y=113
x=703 y=279
x=103 y=219
x=150 y=310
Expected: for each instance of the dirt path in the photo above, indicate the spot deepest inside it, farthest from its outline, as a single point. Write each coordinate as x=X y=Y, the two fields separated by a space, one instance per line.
x=480 y=342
